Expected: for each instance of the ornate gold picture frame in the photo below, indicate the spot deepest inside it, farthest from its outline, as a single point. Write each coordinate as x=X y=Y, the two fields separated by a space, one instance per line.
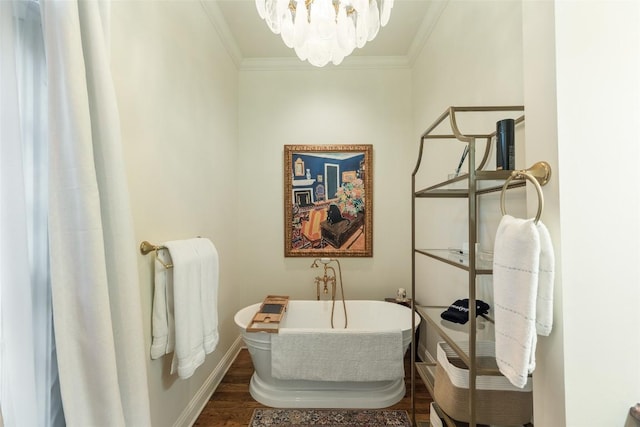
x=328 y=205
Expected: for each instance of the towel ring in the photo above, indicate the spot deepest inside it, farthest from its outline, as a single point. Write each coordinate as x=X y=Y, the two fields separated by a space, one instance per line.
x=540 y=168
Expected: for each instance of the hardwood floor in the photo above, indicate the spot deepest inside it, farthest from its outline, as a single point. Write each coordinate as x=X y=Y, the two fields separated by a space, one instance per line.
x=232 y=406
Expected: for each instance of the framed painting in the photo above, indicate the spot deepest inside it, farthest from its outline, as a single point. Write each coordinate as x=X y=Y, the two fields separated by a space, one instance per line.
x=328 y=206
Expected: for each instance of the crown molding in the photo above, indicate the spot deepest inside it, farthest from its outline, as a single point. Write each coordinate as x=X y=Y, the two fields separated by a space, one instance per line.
x=436 y=7
x=220 y=25
x=349 y=63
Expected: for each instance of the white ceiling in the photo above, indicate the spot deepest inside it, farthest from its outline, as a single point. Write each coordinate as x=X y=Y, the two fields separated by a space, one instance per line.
x=249 y=39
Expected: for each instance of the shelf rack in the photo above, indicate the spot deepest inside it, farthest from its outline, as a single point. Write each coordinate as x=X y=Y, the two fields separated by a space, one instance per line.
x=477 y=181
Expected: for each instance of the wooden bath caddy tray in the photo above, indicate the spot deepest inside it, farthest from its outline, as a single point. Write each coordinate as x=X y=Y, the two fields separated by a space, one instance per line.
x=271 y=312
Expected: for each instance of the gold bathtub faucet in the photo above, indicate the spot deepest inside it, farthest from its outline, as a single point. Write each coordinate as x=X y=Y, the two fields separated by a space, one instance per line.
x=329 y=277
x=325 y=279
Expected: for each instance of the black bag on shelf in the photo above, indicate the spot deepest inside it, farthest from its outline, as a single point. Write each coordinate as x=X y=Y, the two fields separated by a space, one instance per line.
x=458 y=312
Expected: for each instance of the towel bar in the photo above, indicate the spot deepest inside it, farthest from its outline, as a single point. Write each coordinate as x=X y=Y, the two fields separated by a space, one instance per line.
x=146 y=248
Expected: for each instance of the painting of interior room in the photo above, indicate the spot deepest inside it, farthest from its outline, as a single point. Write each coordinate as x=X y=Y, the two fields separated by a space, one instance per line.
x=328 y=208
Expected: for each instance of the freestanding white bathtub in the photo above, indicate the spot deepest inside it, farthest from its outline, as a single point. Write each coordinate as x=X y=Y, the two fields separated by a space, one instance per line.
x=362 y=316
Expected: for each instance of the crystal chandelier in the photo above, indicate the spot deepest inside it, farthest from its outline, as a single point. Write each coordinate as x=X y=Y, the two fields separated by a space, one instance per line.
x=325 y=30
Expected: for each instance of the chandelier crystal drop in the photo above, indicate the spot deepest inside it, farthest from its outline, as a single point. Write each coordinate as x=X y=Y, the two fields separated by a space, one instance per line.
x=323 y=31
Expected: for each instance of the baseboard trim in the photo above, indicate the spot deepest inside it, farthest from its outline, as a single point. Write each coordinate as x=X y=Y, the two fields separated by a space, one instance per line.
x=200 y=399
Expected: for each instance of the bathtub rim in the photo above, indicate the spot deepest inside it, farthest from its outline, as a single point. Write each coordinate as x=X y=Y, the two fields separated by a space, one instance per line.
x=243 y=316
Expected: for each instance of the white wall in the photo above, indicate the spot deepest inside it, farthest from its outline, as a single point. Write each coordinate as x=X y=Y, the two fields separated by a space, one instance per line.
x=472 y=57
x=177 y=92
x=598 y=82
x=542 y=131
x=327 y=106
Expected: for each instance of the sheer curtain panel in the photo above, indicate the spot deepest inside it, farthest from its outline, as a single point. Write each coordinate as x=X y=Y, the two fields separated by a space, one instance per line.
x=95 y=289
x=29 y=392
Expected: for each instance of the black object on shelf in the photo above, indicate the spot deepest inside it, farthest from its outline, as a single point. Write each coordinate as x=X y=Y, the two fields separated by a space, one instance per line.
x=458 y=312
x=505 y=145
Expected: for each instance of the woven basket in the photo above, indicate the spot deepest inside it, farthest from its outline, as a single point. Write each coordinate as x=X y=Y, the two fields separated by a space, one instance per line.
x=497 y=400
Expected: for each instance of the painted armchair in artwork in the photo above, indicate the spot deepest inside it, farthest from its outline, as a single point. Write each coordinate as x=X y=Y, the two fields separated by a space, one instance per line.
x=311 y=231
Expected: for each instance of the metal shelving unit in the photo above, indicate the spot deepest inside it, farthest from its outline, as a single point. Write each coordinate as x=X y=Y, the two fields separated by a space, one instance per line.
x=476 y=182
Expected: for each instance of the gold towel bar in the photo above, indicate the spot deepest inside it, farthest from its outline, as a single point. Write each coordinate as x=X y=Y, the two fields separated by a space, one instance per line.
x=146 y=248
x=539 y=174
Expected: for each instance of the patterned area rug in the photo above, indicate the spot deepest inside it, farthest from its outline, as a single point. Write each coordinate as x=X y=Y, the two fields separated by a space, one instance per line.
x=329 y=417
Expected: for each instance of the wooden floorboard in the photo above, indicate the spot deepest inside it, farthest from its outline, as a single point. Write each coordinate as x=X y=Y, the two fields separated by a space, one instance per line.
x=232 y=405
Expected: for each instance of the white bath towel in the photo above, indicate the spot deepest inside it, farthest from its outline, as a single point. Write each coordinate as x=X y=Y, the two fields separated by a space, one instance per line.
x=192 y=287
x=516 y=261
x=209 y=292
x=163 y=326
x=546 y=277
x=337 y=355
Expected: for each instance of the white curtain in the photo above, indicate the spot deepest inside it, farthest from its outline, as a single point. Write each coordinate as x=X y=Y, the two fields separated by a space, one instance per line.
x=95 y=289
x=29 y=392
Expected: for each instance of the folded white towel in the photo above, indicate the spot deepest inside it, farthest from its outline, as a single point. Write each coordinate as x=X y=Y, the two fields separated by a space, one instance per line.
x=209 y=292
x=187 y=282
x=336 y=355
x=163 y=327
x=516 y=261
x=185 y=308
x=546 y=276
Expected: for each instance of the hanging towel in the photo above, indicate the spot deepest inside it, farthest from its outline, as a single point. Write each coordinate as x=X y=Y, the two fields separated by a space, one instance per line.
x=516 y=262
x=208 y=255
x=162 y=324
x=185 y=312
x=546 y=276
x=337 y=355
